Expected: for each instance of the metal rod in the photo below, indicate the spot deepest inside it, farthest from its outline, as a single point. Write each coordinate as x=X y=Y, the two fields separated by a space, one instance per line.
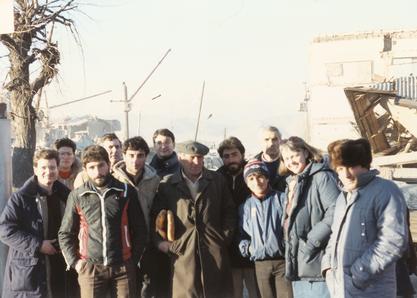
x=126 y=102
x=84 y=98
x=199 y=112
x=147 y=78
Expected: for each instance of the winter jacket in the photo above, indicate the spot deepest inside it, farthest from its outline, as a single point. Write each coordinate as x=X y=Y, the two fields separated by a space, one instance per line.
x=103 y=229
x=260 y=227
x=309 y=225
x=276 y=181
x=146 y=187
x=240 y=192
x=23 y=226
x=369 y=234
x=167 y=166
x=204 y=228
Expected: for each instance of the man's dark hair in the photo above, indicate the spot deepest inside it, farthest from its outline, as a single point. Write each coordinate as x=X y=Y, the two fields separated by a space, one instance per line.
x=65 y=142
x=231 y=143
x=350 y=153
x=45 y=154
x=94 y=153
x=163 y=132
x=109 y=137
x=135 y=143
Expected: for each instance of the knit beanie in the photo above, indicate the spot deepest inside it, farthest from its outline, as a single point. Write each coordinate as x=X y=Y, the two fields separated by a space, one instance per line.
x=255 y=166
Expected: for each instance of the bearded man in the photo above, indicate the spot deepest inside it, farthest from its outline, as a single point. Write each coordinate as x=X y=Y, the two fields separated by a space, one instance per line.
x=103 y=232
x=232 y=153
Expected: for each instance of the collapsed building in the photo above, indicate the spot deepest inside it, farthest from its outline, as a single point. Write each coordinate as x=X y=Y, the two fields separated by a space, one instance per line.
x=83 y=130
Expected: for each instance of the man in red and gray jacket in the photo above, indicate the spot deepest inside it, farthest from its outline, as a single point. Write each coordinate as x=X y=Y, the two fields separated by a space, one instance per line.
x=103 y=232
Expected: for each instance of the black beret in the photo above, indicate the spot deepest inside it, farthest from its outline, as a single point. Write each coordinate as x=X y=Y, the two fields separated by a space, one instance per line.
x=192 y=147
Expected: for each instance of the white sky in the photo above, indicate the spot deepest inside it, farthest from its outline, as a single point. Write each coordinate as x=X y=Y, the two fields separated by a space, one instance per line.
x=253 y=55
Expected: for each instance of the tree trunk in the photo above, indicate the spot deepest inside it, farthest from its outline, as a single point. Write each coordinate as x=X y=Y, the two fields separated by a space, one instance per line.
x=24 y=143
x=23 y=118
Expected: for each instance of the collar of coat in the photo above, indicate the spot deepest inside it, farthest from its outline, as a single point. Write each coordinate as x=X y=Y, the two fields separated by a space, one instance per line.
x=119 y=172
x=177 y=177
x=113 y=184
x=311 y=169
x=166 y=163
x=363 y=180
x=31 y=188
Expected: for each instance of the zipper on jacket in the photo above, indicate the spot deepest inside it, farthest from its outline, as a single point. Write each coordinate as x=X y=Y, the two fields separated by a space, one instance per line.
x=66 y=262
x=103 y=216
x=103 y=226
x=126 y=236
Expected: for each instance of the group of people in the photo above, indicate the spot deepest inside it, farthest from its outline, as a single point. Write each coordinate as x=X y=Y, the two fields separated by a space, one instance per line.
x=291 y=222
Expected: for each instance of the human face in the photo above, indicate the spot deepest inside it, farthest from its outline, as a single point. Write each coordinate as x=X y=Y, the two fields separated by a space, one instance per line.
x=135 y=161
x=258 y=184
x=192 y=165
x=271 y=144
x=98 y=172
x=349 y=175
x=164 y=146
x=66 y=158
x=114 y=150
x=47 y=172
x=233 y=160
x=294 y=161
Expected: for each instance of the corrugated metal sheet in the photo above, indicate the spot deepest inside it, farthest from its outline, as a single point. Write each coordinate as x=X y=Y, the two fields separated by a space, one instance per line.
x=405 y=87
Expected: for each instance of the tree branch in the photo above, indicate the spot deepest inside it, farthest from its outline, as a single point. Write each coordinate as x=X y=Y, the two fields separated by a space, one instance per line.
x=50 y=59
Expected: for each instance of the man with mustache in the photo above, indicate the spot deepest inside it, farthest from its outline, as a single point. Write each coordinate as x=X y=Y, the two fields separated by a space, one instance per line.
x=204 y=218
x=103 y=232
x=232 y=153
x=271 y=137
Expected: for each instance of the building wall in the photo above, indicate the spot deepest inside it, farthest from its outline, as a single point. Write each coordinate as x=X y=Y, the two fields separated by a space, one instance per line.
x=351 y=60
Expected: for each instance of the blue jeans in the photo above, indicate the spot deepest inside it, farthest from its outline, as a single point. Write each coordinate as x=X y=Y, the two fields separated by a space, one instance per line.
x=310 y=289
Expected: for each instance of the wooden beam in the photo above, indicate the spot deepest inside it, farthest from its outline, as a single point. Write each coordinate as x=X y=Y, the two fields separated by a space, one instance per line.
x=398 y=159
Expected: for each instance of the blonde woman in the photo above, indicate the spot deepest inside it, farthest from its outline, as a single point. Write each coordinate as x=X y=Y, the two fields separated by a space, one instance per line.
x=311 y=194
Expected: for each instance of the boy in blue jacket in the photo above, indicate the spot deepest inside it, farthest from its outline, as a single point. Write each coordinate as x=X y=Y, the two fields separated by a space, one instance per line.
x=261 y=233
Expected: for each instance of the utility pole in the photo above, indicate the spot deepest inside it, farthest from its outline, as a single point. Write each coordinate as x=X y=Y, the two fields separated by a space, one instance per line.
x=126 y=100
x=199 y=112
x=139 y=123
x=127 y=110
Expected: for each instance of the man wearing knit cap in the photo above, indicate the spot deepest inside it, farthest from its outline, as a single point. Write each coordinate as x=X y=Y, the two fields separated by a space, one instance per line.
x=204 y=220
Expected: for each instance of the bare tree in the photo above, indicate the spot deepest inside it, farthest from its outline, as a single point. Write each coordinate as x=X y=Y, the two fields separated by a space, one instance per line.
x=33 y=58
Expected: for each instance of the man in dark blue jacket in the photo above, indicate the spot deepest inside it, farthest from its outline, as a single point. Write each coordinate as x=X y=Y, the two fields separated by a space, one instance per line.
x=165 y=161
x=29 y=225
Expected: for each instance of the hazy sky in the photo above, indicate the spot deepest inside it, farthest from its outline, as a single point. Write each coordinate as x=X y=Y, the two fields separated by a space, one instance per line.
x=253 y=56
